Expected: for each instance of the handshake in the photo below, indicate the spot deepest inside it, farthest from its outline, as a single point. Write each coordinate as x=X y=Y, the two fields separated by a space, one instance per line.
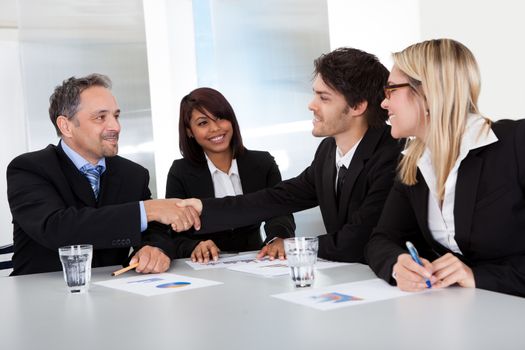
x=180 y=214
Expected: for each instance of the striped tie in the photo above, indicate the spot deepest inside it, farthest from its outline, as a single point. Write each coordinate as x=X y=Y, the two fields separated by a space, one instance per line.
x=92 y=174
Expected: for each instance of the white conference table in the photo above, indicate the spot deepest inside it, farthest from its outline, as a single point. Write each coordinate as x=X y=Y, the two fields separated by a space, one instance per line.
x=38 y=313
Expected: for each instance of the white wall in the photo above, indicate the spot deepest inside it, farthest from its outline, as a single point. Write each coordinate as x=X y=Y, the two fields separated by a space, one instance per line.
x=494 y=31
x=375 y=26
x=12 y=119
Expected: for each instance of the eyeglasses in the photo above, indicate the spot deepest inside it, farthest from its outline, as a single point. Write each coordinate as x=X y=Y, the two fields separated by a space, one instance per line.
x=389 y=88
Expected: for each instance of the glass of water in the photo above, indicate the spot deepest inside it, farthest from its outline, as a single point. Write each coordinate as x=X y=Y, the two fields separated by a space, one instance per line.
x=301 y=253
x=76 y=264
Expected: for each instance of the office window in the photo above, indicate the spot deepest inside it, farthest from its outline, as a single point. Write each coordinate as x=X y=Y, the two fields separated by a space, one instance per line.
x=260 y=56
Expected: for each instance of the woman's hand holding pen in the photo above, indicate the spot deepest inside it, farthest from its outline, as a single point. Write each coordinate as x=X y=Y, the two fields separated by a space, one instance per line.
x=410 y=276
x=442 y=272
x=448 y=270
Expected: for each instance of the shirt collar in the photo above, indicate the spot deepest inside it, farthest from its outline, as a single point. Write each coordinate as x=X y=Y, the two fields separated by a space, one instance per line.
x=345 y=159
x=474 y=137
x=476 y=134
x=77 y=159
x=213 y=169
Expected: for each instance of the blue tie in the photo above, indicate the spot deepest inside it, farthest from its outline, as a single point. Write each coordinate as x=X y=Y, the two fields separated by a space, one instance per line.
x=92 y=174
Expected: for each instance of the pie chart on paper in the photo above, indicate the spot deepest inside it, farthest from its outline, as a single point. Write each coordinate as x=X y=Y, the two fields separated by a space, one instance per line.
x=174 y=285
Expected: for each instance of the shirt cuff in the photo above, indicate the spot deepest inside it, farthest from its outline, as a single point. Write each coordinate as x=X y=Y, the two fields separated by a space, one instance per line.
x=143 y=217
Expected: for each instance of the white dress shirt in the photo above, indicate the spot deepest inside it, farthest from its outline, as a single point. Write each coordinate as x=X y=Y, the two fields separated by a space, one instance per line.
x=345 y=160
x=441 y=220
x=225 y=184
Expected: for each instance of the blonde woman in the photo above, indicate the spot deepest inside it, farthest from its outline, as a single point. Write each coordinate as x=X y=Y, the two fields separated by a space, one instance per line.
x=460 y=196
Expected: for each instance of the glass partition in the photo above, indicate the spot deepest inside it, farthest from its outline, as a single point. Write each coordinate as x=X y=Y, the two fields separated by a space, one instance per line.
x=260 y=55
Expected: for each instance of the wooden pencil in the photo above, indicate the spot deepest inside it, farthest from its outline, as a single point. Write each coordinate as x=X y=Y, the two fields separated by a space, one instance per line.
x=121 y=271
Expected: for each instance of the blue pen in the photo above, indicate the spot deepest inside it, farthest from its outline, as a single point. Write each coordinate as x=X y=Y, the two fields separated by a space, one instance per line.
x=415 y=256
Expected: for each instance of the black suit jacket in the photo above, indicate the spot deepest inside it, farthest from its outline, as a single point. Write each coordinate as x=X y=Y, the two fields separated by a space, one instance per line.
x=53 y=205
x=257 y=170
x=489 y=216
x=348 y=223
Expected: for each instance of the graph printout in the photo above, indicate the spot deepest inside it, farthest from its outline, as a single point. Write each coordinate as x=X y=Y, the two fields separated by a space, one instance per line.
x=344 y=295
x=157 y=284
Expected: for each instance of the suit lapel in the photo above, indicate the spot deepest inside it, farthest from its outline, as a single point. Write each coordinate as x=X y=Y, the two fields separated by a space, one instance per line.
x=325 y=170
x=77 y=181
x=465 y=200
x=330 y=171
x=200 y=182
x=419 y=195
x=247 y=170
x=364 y=151
x=110 y=183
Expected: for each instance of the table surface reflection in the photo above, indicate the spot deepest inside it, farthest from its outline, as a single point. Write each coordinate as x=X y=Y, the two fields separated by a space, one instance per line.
x=38 y=313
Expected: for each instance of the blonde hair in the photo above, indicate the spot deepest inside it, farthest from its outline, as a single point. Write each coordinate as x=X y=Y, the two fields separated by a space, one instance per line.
x=446 y=74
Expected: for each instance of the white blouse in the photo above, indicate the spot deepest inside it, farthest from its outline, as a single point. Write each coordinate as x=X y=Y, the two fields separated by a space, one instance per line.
x=225 y=184
x=441 y=220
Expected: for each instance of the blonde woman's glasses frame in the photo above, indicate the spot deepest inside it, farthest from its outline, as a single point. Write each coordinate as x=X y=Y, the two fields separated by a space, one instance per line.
x=388 y=89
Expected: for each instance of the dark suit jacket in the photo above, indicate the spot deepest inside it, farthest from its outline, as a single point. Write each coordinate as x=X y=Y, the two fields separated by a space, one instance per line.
x=257 y=170
x=53 y=205
x=489 y=216
x=349 y=222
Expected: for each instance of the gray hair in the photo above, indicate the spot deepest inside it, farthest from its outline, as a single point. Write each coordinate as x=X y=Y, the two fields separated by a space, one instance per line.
x=66 y=97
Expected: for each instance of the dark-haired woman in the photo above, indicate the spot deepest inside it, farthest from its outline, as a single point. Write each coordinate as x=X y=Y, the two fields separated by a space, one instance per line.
x=216 y=164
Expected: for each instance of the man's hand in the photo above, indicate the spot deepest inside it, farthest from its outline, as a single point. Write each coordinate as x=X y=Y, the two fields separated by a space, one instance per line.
x=204 y=251
x=273 y=250
x=195 y=203
x=167 y=211
x=410 y=276
x=448 y=270
x=151 y=260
